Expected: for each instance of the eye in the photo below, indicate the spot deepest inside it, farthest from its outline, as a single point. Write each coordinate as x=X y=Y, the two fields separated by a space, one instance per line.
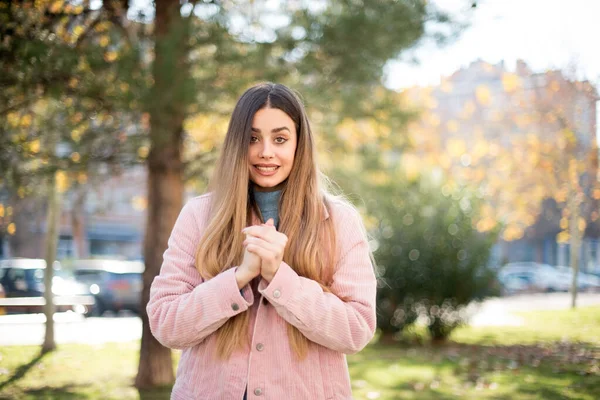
x=253 y=139
x=280 y=140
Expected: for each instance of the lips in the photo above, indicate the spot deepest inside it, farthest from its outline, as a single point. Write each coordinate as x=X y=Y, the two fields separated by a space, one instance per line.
x=266 y=170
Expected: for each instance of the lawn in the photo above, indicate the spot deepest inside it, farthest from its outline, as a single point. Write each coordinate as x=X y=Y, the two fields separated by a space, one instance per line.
x=555 y=355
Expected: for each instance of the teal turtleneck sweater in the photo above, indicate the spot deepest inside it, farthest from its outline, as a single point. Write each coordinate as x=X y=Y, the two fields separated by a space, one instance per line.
x=268 y=203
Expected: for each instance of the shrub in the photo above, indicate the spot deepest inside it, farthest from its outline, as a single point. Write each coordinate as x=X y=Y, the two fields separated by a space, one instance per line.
x=432 y=261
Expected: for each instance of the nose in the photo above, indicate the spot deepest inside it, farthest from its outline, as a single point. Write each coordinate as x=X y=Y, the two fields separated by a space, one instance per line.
x=266 y=150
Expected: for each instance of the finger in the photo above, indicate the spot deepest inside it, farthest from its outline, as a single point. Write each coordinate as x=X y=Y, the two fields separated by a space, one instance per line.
x=270 y=222
x=263 y=253
x=273 y=247
x=275 y=238
x=265 y=232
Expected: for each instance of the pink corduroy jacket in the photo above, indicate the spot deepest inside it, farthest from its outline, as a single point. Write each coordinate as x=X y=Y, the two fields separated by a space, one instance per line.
x=185 y=312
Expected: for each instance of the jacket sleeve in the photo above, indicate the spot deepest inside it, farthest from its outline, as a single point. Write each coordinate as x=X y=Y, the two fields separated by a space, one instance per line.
x=183 y=308
x=346 y=326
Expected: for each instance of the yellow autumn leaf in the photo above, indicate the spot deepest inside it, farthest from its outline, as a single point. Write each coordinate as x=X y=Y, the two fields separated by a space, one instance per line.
x=486 y=224
x=110 y=56
x=34 y=146
x=510 y=82
x=76 y=134
x=102 y=26
x=11 y=228
x=512 y=233
x=483 y=95
x=143 y=152
x=82 y=178
x=561 y=195
x=581 y=224
x=13 y=119
x=1 y=210
x=104 y=40
x=563 y=237
x=26 y=121
x=56 y=6
x=75 y=157
x=410 y=165
x=564 y=223
x=456 y=147
x=62 y=181
x=452 y=126
x=78 y=30
x=77 y=117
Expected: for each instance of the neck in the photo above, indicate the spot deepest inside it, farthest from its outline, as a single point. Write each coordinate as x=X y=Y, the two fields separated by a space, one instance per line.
x=257 y=188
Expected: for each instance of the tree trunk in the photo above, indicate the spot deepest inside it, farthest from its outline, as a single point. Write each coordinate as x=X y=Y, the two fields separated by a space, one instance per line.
x=78 y=224
x=165 y=173
x=575 y=240
x=51 y=244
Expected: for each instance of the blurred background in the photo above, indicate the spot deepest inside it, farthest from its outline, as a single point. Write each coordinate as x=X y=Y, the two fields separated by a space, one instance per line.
x=464 y=131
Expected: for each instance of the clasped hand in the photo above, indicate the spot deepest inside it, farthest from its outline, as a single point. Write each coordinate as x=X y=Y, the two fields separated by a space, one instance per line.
x=263 y=251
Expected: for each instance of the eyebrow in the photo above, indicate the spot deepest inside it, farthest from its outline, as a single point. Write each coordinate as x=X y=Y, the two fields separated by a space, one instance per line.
x=276 y=130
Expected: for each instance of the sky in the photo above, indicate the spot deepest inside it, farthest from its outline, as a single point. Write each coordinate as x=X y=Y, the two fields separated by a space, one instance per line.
x=546 y=34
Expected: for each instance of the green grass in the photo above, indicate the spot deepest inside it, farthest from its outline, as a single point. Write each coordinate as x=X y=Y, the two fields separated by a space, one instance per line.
x=578 y=325
x=555 y=355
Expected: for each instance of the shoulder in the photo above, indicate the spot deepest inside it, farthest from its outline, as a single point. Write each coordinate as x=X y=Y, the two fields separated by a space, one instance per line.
x=346 y=218
x=197 y=207
x=339 y=208
x=203 y=200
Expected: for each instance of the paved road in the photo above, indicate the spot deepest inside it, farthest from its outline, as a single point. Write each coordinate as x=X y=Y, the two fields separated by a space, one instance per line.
x=29 y=329
x=500 y=311
x=74 y=328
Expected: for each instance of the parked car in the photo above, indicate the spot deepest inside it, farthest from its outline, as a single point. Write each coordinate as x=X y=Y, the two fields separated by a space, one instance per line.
x=585 y=281
x=24 y=277
x=536 y=277
x=116 y=284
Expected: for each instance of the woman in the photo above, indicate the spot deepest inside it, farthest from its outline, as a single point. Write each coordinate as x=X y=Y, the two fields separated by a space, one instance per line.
x=267 y=281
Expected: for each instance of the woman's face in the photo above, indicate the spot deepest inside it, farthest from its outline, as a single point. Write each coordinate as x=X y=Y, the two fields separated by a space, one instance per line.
x=272 y=148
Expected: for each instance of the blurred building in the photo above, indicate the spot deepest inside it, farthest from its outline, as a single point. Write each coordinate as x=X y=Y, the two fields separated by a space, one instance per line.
x=104 y=218
x=487 y=103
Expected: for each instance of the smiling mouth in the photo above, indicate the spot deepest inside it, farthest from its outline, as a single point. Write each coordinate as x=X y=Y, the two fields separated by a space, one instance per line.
x=266 y=169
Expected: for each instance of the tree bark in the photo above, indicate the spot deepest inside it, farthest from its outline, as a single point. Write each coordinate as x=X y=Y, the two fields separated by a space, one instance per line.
x=575 y=240
x=78 y=224
x=51 y=244
x=165 y=174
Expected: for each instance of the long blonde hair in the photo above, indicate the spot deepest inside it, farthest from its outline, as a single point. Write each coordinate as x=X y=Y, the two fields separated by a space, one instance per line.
x=311 y=249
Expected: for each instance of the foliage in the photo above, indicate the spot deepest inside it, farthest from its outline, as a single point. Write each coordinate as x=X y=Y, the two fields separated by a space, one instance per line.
x=432 y=260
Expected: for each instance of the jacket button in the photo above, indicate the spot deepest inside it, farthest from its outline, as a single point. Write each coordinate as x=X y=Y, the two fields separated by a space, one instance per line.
x=276 y=293
x=235 y=307
x=260 y=347
x=257 y=391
